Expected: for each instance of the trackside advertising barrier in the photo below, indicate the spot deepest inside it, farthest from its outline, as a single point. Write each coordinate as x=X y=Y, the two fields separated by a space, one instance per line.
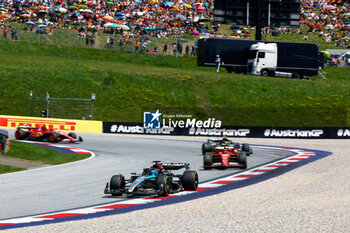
x=12 y=122
x=230 y=131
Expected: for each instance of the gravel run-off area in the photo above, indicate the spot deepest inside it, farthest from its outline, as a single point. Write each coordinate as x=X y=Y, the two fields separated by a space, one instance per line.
x=311 y=198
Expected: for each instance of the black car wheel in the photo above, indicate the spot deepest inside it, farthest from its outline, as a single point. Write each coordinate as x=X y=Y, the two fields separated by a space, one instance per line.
x=72 y=135
x=242 y=159
x=53 y=137
x=190 y=180
x=206 y=147
x=207 y=160
x=245 y=147
x=116 y=185
x=163 y=185
x=20 y=134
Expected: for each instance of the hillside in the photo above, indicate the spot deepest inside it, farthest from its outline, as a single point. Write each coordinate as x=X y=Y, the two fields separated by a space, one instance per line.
x=127 y=84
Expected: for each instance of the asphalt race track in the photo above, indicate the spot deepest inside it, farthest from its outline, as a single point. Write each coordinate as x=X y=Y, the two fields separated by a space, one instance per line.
x=81 y=184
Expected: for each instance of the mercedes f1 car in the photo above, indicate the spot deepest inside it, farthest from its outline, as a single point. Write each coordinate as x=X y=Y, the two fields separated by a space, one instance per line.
x=155 y=180
x=211 y=145
x=44 y=134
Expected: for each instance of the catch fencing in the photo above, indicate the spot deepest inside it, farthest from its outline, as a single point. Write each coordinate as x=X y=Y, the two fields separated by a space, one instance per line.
x=67 y=108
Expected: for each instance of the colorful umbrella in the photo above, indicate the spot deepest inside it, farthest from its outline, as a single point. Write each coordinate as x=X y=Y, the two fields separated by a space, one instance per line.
x=83 y=7
x=30 y=23
x=62 y=10
x=110 y=3
x=188 y=6
x=125 y=27
x=330 y=7
x=114 y=25
x=107 y=24
x=107 y=17
x=200 y=8
x=169 y=3
x=329 y=27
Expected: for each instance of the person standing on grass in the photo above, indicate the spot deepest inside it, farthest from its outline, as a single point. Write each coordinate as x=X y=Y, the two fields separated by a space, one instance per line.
x=144 y=46
x=121 y=44
x=165 y=48
x=187 y=50
x=137 y=46
x=16 y=35
x=108 y=41
x=217 y=62
x=111 y=43
x=4 y=33
x=12 y=34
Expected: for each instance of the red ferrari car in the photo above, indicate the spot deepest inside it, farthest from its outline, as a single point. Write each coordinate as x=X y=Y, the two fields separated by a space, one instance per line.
x=225 y=156
x=44 y=134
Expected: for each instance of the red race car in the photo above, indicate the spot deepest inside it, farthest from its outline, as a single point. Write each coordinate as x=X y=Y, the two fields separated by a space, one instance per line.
x=225 y=156
x=44 y=134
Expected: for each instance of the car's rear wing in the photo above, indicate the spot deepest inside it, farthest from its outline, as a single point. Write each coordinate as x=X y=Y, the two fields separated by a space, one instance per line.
x=25 y=127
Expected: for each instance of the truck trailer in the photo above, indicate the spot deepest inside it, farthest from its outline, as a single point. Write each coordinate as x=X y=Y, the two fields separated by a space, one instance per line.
x=280 y=59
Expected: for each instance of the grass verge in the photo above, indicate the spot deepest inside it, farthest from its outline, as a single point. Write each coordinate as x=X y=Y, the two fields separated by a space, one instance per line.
x=32 y=152
x=8 y=169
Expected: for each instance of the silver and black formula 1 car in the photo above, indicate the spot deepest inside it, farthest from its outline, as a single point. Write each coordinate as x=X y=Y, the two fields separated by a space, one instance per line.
x=155 y=180
x=210 y=146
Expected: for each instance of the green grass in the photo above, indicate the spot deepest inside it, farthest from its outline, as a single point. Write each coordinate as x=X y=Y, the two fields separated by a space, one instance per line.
x=41 y=154
x=126 y=84
x=7 y=169
x=64 y=37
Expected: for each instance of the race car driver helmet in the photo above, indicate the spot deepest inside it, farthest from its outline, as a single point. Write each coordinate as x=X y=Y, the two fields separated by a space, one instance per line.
x=224 y=138
x=225 y=143
x=154 y=173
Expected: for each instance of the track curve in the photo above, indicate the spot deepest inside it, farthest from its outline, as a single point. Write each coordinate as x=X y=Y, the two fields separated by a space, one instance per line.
x=81 y=184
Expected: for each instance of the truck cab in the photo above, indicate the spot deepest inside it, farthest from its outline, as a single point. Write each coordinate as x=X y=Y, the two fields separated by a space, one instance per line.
x=262 y=58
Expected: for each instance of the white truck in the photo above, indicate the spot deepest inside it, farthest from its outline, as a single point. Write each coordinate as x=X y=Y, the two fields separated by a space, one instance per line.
x=281 y=59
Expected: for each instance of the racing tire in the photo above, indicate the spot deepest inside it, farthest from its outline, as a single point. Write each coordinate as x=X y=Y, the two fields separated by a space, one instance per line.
x=20 y=134
x=163 y=185
x=242 y=159
x=265 y=73
x=72 y=135
x=206 y=147
x=207 y=160
x=190 y=180
x=117 y=185
x=246 y=148
x=53 y=137
x=80 y=139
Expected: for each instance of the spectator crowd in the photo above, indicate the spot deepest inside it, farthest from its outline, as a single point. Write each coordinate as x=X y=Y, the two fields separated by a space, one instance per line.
x=131 y=18
x=143 y=19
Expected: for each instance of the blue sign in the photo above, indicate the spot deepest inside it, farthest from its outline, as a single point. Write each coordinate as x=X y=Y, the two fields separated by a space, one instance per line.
x=151 y=120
